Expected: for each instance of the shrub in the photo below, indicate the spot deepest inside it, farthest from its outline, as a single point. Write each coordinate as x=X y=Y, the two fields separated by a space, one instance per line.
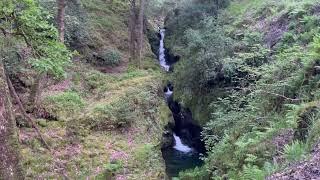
x=113 y=166
x=294 y=151
x=111 y=115
x=62 y=105
x=77 y=34
x=314 y=133
x=111 y=58
x=252 y=173
x=143 y=153
x=134 y=105
x=95 y=79
x=197 y=173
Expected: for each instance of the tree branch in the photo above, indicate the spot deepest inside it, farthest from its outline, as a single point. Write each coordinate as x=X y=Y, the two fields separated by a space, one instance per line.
x=23 y=111
x=267 y=92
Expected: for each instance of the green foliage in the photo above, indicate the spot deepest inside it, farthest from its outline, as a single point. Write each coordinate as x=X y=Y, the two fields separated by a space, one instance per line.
x=77 y=36
x=113 y=166
x=111 y=58
x=131 y=73
x=205 y=65
x=29 y=22
x=248 y=91
x=63 y=105
x=136 y=103
x=197 y=173
x=142 y=153
x=294 y=151
x=95 y=79
x=314 y=133
x=106 y=19
x=110 y=116
x=252 y=173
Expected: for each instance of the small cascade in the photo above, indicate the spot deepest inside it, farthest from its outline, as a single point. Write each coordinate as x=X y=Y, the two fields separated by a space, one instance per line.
x=185 y=146
x=168 y=91
x=162 y=55
x=179 y=146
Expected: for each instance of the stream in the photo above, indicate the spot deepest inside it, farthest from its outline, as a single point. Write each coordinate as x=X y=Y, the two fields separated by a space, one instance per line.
x=186 y=147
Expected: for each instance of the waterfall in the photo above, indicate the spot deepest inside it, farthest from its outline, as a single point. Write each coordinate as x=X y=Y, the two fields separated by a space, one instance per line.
x=179 y=146
x=162 y=57
x=178 y=157
x=167 y=93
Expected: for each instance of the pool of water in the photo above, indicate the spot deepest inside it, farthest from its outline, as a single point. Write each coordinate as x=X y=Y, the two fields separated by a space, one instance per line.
x=177 y=161
x=180 y=157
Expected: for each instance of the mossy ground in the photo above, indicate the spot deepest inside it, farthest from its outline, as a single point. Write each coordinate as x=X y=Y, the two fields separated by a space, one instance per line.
x=102 y=122
x=80 y=151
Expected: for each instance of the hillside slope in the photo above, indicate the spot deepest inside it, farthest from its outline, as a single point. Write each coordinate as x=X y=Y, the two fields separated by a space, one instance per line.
x=104 y=119
x=249 y=71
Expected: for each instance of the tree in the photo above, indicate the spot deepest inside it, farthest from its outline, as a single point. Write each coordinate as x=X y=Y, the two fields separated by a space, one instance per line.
x=60 y=18
x=136 y=26
x=25 y=20
x=10 y=167
x=132 y=28
x=140 y=32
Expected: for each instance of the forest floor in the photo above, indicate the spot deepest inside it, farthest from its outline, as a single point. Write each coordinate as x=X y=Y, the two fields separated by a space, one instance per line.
x=101 y=121
x=83 y=144
x=306 y=169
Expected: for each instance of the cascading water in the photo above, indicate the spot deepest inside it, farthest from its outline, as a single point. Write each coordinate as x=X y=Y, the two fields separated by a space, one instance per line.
x=179 y=146
x=162 y=56
x=168 y=93
x=180 y=155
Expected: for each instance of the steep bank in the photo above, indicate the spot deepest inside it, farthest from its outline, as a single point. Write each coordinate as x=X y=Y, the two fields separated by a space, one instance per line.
x=249 y=75
x=182 y=145
x=105 y=118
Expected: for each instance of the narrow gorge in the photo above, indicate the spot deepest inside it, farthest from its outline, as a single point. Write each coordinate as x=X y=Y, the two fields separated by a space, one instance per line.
x=224 y=90
x=183 y=146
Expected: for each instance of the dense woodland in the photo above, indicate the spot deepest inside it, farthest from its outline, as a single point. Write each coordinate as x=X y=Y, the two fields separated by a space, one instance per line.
x=81 y=88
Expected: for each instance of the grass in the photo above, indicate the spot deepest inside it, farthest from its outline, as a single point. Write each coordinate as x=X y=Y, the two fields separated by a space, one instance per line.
x=239 y=7
x=107 y=23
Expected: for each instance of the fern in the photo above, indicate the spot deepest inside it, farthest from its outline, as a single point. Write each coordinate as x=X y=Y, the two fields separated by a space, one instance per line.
x=270 y=168
x=251 y=172
x=294 y=151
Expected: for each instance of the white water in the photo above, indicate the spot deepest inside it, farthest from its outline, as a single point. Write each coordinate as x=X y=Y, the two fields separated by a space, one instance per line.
x=162 y=57
x=179 y=146
x=168 y=93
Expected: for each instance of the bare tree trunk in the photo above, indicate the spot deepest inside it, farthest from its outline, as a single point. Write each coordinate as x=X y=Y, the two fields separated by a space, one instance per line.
x=132 y=30
x=10 y=167
x=140 y=32
x=35 y=92
x=24 y=113
x=60 y=18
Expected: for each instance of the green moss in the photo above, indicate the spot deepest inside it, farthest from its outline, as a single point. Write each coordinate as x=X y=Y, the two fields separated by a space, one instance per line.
x=42 y=122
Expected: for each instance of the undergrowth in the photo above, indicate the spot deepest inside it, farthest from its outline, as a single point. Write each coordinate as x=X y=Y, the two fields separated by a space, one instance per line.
x=253 y=70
